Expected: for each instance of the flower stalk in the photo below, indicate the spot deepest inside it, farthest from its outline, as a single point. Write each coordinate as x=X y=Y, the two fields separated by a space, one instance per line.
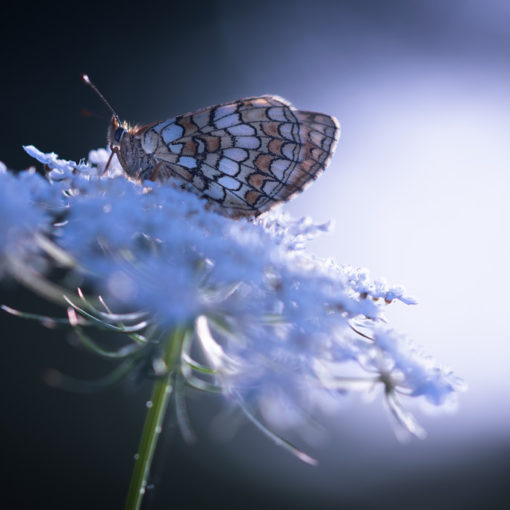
x=156 y=411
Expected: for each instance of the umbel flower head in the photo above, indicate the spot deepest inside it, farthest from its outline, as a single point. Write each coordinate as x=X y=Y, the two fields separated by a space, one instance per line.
x=280 y=332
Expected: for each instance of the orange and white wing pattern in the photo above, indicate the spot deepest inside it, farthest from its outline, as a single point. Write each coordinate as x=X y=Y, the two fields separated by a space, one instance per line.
x=245 y=156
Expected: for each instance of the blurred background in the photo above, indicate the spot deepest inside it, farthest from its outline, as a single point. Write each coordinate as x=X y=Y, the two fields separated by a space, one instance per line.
x=418 y=190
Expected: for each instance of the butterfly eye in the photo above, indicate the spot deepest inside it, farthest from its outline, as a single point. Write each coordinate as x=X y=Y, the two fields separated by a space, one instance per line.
x=119 y=133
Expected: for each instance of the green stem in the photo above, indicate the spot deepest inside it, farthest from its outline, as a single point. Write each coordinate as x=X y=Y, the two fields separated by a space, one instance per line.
x=156 y=412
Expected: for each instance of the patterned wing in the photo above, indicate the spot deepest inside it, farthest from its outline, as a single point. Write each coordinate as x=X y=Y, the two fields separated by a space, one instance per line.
x=245 y=156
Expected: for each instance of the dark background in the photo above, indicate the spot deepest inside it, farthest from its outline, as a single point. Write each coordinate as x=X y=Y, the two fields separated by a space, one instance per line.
x=62 y=450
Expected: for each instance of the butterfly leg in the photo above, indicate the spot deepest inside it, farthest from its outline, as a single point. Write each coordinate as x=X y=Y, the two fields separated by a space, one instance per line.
x=114 y=151
x=155 y=172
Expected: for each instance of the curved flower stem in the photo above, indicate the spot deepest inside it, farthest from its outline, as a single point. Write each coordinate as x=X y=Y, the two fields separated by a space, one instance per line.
x=156 y=412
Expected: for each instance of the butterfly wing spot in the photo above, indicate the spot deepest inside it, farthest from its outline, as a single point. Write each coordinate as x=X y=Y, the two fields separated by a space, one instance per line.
x=270 y=187
x=275 y=146
x=318 y=138
x=236 y=154
x=176 y=148
x=228 y=121
x=187 y=162
x=171 y=133
x=228 y=166
x=279 y=167
x=242 y=130
x=223 y=111
x=252 y=196
x=150 y=141
x=257 y=181
x=247 y=142
x=277 y=113
x=263 y=162
x=271 y=129
x=229 y=182
x=206 y=143
x=290 y=131
x=254 y=115
x=201 y=119
x=190 y=147
x=288 y=150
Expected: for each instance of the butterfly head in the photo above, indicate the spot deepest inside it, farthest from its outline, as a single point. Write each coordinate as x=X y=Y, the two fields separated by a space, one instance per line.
x=116 y=132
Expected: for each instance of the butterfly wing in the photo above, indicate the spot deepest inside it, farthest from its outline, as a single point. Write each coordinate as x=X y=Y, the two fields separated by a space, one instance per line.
x=245 y=156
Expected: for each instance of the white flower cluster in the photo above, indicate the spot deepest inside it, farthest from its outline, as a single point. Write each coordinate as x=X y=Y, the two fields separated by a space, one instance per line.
x=22 y=214
x=283 y=331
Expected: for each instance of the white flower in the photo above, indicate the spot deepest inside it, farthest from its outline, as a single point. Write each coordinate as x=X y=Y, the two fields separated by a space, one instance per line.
x=22 y=214
x=281 y=328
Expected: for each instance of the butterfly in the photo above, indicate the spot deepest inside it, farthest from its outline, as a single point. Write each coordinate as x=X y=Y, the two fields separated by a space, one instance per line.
x=245 y=156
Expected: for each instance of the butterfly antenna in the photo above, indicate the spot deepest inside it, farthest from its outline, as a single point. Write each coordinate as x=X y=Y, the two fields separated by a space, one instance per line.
x=87 y=80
